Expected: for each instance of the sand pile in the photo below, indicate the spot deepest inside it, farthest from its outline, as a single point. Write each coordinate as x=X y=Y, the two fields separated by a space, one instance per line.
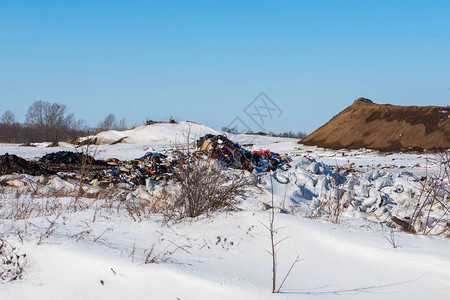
x=365 y=124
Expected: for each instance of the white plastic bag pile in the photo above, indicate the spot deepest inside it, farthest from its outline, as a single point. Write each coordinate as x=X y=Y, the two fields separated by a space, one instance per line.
x=376 y=195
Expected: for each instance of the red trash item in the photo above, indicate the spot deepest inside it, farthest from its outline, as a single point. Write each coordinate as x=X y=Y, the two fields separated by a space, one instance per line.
x=261 y=152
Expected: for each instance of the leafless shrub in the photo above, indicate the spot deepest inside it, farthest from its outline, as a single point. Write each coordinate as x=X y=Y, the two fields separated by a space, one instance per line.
x=102 y=234
x=330 y=204
x=392 y=239
x=155 y=254
x=432 y=199
x=87 y=155
x=83 y=234
x=142 y=203
x=86 y=234
x=12 y=262
x=137 y=208
x=77 y=204
x=335 y=204
x=141 y=206
x=206 y=186
x=133 y=252
x=274 y=247
x=49 y=231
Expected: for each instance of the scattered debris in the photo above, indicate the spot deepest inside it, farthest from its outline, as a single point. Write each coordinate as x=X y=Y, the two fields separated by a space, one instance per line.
x=52 y=145
x=403 y=224
x=119 y=140
x=82 y=142
x=27 y=145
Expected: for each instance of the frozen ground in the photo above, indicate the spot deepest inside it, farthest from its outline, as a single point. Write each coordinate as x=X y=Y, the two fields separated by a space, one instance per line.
x=99 y=253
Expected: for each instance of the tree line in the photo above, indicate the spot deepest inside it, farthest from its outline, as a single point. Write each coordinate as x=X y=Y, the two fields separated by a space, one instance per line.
x=50 y=122
x=287 y=134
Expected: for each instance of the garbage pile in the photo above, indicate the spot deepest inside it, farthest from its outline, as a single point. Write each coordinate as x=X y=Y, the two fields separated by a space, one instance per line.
x=68 y=157
x=219 y=147
x=392 y=198
x=13 y=164
x=152 y=166
x=148 y=169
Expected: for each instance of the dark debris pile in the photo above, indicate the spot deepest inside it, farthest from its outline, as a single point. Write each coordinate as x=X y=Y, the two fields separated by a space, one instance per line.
x=68 y=157
x=11 y=163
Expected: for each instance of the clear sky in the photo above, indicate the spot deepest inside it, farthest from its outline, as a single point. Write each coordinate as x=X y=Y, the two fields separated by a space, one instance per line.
x=205 y=61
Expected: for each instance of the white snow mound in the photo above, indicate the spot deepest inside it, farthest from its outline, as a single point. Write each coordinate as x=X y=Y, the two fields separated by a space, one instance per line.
x=157 y=133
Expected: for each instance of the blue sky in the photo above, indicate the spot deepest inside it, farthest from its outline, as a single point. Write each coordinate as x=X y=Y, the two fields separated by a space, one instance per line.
x=205 y=61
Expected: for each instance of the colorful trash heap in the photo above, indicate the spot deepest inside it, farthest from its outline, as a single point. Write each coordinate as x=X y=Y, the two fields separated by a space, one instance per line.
x=156 y=166
x=152 y=166
x=220 y=148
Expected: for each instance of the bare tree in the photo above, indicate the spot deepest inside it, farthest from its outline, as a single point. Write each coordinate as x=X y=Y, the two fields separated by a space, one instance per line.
x=42 y=114
x=36 y=114
x=55 y=115
x=44 y=122
x=110 y=122
x=122 y=124
x=8 y=118
x=81 y=125
x=50 y=118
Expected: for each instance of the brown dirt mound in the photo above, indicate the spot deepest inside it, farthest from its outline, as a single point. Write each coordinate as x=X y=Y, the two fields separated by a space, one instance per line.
x=365 y=124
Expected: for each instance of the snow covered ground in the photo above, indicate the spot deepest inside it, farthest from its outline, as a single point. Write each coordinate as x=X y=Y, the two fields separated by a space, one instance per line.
x=100 y=252
x=225 y=257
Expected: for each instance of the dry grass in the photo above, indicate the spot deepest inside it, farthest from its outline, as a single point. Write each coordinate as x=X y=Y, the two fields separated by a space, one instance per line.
x=17 y=206
x=12 y=261
x=154 y=256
